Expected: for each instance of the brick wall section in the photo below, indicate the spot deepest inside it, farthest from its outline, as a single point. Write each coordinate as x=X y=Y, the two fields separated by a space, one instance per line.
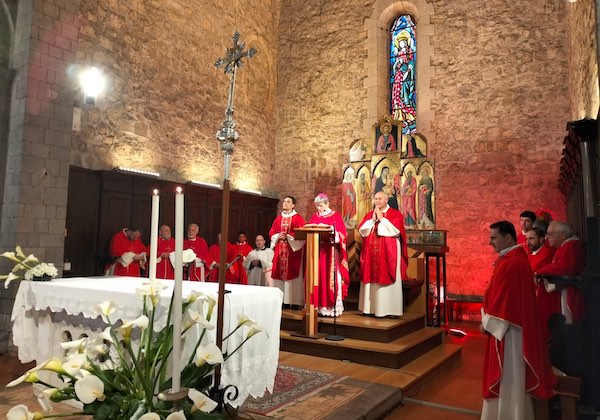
x=165 y=99
x=498 y=90
x=34 y=206
x=583 y=60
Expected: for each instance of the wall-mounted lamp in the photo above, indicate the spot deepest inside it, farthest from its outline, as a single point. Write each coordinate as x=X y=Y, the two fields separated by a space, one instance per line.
x=205 y=184
x=249 y=191
x=92 y=83
x=137 y=171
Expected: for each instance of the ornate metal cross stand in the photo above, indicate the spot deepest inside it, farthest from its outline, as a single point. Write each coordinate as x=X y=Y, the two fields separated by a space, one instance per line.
x=227 y=137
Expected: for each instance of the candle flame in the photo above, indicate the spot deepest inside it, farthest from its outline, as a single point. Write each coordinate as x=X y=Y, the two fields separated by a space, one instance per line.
x=179 y=190
x=155 y=192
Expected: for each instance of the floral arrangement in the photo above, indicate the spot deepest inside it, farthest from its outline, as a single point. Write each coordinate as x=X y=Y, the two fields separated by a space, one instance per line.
x=116 y=375
x=27 y=267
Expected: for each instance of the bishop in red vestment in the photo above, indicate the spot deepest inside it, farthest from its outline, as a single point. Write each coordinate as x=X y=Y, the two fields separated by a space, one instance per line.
x=516 y=364
x=287 y=272
x=214 y=252
x=242 y=248
x=569 y=260
x=383 y=260
x=333 y=261
x=165 y=245
x=196 y=269
x=123 y=244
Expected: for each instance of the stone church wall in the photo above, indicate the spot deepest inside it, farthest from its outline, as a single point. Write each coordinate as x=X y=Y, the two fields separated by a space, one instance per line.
x=499 y=92
x=583 y=60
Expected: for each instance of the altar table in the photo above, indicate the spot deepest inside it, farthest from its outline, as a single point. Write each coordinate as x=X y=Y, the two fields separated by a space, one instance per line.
x=48 y=313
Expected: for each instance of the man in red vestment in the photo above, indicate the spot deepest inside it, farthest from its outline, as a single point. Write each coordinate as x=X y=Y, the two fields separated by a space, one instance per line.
x=333 y=262
x=569 y=260
x=287 y=261
x=128 y=251
x=242 y=248
x=197 y=268
x=541 y=255
x=516 y=363
x=214 y=252
x=526 y=220
x=383 y=260
x=165 y=245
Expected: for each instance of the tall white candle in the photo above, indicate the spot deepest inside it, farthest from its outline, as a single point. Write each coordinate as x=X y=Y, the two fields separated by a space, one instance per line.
x=154 y=235
x=176 y=385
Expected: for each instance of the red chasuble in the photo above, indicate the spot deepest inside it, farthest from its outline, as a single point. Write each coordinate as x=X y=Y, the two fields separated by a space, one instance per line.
x=200 y=248
x=215 y=256
x=164 y=268
x=323 y=295
x=511 y=297
x=547 y=302
x=379 y=256
x=119 y=245
x=242 y=249
x=569 y=260
x=286 y=262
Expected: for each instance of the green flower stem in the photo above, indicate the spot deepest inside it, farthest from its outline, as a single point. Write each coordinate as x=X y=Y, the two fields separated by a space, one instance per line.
x=232 y=332
x=196 y=347
x=56 y=415
x=237 y=348
x=139 y=375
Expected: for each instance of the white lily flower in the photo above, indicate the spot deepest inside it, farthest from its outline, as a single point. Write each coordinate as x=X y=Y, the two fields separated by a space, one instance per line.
x=254 y=330
x=74 y=363
x=125 y=329
x=178 y=415
x=150 y=416
x=211 y=305
x=21 y=412
x=54 y=365
x=196 y=295
x=97 y=351
x=10 y=256
x=201 y=401
x=43 y=396
x=245 y=320
x=194 y=317
x=151 y=290
x=19 y=252
x=29 y=377
x=9 y=278
x=105 y=309
x=75 y=346
x=18 y=267
x=104 y=336
x=89 y=389
x=30 y=259
x=210 y=354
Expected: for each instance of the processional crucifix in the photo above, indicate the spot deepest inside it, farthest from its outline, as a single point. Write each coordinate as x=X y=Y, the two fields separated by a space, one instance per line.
x=227 y=137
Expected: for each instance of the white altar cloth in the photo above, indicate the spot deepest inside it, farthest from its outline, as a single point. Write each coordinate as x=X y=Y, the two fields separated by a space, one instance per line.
x=44 y=311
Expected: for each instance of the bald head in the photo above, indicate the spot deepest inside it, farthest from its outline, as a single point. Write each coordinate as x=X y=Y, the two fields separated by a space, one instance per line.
x=380 y=200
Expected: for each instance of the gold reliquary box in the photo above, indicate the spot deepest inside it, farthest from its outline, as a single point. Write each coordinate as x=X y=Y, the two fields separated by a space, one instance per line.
x=426 y=237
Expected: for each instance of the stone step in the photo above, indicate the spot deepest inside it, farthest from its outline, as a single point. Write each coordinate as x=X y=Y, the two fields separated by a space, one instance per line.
x=353 y=324
x=395 y=354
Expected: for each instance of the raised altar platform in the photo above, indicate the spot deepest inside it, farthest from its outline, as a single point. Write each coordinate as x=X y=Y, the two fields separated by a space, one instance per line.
x=48 y=313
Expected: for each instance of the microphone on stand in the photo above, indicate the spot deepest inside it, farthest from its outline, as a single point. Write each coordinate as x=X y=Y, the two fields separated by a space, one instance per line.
x=334 y=336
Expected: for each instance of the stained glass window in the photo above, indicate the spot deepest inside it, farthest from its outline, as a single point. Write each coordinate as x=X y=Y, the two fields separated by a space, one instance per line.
x=402 y=73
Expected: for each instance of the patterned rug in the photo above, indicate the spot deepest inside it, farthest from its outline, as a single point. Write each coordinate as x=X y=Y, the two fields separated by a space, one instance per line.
x=291 y=384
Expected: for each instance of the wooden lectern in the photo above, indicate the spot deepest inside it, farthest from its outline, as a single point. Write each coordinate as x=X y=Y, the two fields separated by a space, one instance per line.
x=313 y=235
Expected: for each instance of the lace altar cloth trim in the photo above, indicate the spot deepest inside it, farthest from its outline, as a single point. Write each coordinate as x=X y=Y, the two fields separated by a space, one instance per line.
x=43 y=311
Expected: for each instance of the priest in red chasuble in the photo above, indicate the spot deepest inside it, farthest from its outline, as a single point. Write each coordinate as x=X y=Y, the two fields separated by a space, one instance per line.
x=569 y=260
x=198 y=268
x=242 y=248
x=128 y=253
x=383 y=260
x=516 y=364
x=333 y=262
x=287 y=261
x=165 y=245
x=231 y=257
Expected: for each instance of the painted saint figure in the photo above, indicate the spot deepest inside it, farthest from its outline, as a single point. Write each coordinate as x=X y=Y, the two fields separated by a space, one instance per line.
x=348 y=198
x=409 y=194
x=364 y=194
x=386 y=141
x=426 y=218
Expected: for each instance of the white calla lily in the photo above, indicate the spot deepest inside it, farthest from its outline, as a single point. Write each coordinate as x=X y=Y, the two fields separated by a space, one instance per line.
x=89 y=389
x=10 y=255
x=43 y=396
x=194 y=317
x=19 y=252
x=196 y=295
x=29 y=377
x=74 y=363
x=150 y=416
x=106 y=308
x=21 y=412
x=255 y=330
x=201 y=401
x=245 y=320
x=210 y=354
x=125 y=329
x=178 y=415
x=212 y=302
x=30 y=259
x=75 y=346
x=151 y=290
x=11 y=276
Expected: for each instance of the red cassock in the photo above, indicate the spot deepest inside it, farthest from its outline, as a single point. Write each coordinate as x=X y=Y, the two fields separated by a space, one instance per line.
x=547 y=302
x=522 y=239
x=241 y=249
x=200 y=248
x=569 y=260
x=231 y=275
x=286 y=262
x=379 y=258
x=511 y=297
x=323 y=295
x=119 y=245
x=164 y=268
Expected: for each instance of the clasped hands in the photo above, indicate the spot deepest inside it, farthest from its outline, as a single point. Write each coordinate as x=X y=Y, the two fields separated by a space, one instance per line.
x=377 y=214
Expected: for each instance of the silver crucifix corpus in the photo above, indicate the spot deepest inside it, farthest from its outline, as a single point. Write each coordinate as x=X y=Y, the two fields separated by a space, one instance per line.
x=233 y=59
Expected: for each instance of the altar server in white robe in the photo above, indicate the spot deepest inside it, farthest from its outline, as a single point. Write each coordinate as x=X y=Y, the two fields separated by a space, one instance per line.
x=383 y=260
x=259 y=263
